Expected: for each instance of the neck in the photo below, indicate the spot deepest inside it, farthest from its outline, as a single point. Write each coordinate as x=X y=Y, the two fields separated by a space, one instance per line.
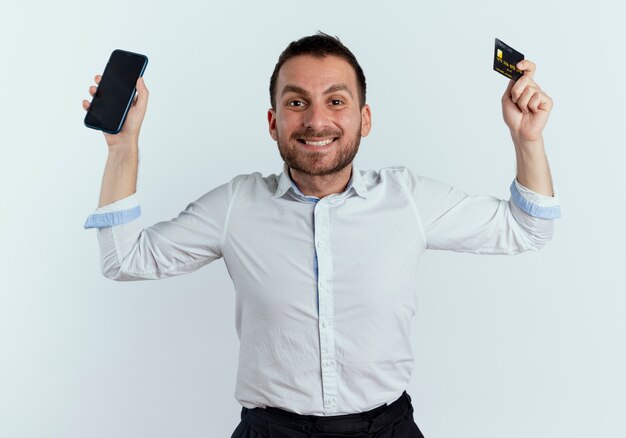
x=323 y=185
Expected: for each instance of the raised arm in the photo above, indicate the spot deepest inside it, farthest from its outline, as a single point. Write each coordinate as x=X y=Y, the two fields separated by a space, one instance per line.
x=130 y=251
x=525 y=108
x=120 y=173
x=481 y=224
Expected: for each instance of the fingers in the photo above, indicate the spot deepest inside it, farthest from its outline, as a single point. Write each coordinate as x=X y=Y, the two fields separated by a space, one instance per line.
x=533 y=100
x=520 y=87
x=92 y=91
x=540 y=102
x=527 y=67
x=525 y=92
x=142 y=94
x=516 y=89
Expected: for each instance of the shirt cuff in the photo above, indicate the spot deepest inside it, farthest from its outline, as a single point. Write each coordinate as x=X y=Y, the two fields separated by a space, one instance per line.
x=115 y=213
x=533 y=203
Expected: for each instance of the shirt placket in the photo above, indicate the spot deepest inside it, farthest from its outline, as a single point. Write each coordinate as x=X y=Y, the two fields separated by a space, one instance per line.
x=326 y=306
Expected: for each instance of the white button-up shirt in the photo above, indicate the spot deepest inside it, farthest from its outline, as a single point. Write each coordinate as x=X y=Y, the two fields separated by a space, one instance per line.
x=325 y=288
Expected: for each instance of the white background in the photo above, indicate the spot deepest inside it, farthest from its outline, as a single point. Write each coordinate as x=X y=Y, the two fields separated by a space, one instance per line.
x=530 y=345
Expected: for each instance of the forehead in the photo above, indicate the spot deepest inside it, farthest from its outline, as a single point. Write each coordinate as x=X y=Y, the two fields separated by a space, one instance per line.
x=312 y=73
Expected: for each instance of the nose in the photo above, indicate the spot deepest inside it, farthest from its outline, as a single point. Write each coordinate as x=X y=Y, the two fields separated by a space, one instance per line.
x=316 y=117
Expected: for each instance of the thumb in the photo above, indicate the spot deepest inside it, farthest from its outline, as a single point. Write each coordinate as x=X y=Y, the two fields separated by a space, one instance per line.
x=142 y=94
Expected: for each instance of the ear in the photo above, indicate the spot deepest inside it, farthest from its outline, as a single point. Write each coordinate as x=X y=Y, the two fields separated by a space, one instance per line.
x=366 y=120
x=271 y=119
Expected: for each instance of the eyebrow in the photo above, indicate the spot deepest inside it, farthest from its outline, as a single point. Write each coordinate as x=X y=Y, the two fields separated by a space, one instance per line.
x=299 y=90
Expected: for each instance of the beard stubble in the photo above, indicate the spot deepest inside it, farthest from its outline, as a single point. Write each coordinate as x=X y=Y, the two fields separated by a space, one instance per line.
x=310 y=163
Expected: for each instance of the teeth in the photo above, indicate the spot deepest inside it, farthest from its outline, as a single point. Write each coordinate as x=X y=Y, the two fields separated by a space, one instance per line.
x=319 y=143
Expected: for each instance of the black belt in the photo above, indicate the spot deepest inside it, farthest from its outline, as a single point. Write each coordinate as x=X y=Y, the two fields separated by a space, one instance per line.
x=279 y=423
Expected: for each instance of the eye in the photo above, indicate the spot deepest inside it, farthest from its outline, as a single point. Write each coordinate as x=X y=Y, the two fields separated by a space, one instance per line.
x=337 y=102
x=295 y=103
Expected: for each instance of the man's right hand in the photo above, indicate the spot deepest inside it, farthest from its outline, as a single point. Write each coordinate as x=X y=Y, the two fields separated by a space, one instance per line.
x=132 y=125
x=120 y=172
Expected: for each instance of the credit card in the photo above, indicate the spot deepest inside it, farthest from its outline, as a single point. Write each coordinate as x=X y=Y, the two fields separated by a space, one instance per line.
x=505 y=59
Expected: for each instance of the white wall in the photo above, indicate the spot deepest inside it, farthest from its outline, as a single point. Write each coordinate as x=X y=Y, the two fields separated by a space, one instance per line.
x=531 y=345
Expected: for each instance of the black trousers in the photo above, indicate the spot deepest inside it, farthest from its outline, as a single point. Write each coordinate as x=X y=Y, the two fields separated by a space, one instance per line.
x=386 y=421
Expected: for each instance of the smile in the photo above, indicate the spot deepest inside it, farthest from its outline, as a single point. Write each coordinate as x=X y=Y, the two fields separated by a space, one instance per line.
x=317 y=143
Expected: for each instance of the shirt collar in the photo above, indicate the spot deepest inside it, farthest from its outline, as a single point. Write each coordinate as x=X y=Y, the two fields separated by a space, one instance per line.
x=285 y=183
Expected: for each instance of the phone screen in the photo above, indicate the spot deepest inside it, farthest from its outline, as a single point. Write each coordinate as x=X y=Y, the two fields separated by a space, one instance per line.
x=115 y=91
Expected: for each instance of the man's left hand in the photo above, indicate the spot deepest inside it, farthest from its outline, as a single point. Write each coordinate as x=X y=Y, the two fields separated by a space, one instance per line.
x=525 y=107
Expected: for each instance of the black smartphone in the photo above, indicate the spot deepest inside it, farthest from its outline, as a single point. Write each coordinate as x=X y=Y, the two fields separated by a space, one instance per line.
x=115 y=91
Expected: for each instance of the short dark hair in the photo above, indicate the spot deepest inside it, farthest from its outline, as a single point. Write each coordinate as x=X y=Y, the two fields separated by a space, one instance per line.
x=318 y=45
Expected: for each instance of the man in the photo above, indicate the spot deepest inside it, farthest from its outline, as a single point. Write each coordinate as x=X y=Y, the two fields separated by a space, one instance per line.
x=323 y=257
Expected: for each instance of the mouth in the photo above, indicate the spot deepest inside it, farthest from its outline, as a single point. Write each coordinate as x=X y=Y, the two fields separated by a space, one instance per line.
x=317 y=143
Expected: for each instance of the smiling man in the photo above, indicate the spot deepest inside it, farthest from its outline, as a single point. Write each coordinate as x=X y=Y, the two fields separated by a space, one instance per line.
x=323 y=256
x=318 y=116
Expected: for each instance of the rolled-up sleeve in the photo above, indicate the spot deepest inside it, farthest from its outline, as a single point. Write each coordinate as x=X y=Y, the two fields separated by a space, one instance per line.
x=116 y=213
x=535 y=204
x=130 y=251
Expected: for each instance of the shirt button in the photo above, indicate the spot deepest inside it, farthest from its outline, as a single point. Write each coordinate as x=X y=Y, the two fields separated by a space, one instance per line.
x=324 y=324
x=320 y=244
